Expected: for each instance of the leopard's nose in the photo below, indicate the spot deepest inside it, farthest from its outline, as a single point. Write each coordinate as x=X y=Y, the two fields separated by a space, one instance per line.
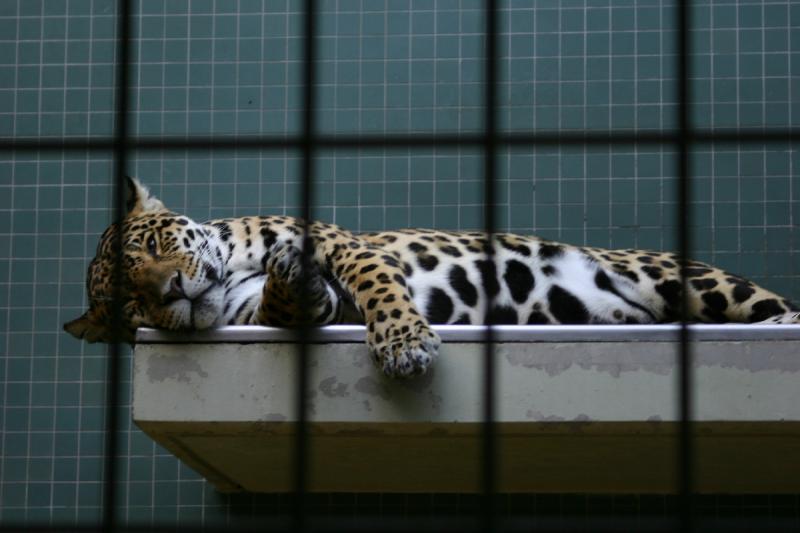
x=175 y=291
x=212 y=274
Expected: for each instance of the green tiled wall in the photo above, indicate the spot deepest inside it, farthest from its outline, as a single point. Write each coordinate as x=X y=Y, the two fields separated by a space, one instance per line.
x=226 y=67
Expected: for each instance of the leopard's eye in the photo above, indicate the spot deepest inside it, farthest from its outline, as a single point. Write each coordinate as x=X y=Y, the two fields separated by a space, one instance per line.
x=151 y=245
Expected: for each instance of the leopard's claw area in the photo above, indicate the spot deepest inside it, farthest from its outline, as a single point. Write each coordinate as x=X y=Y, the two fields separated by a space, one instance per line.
x=406 y=355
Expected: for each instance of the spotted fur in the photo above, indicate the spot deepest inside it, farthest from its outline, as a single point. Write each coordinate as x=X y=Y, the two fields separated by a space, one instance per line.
x=180 y=274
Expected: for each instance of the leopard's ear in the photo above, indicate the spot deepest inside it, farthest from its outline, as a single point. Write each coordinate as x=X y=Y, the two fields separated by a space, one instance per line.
x=139 y=199
x=86 y=328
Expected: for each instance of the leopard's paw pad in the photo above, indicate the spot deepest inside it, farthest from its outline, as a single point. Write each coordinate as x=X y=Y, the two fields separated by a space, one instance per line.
x=405 y=353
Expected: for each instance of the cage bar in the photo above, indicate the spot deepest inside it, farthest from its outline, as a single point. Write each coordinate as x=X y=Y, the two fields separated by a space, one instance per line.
x=489 y=450
x=381 y=141
x=684 y=445
x=299 y=520
x=113 y=379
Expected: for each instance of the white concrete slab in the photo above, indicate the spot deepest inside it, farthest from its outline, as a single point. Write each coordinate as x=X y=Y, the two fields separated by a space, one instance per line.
x=587 y=415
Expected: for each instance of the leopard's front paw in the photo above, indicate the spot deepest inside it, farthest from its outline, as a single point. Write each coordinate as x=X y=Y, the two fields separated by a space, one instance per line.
x=286 y=265
x=403 y=350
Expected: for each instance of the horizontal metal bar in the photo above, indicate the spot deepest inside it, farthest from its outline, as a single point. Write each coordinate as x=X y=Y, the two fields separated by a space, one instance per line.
x=396 y=523
x=394 y=140
x=477 y=334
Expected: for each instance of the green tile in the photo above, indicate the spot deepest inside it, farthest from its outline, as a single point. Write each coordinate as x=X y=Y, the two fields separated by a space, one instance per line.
x=64 y=496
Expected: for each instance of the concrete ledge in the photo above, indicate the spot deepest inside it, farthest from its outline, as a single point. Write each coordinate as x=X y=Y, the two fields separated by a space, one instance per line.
x=585 y=415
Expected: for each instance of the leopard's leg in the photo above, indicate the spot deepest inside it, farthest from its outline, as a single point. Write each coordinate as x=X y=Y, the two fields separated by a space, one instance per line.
x=282 y=297
x=399 y=337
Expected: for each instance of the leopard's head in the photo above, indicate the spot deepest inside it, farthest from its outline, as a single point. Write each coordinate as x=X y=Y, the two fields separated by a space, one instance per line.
x=170 y=278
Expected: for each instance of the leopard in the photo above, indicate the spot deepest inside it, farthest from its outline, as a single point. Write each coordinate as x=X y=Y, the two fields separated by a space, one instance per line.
x=182 y=275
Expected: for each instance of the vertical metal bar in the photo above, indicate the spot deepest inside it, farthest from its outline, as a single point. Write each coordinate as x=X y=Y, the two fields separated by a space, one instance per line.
x=115 y=351
x=308 y=125
x=489 y=463
x=685 y=445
